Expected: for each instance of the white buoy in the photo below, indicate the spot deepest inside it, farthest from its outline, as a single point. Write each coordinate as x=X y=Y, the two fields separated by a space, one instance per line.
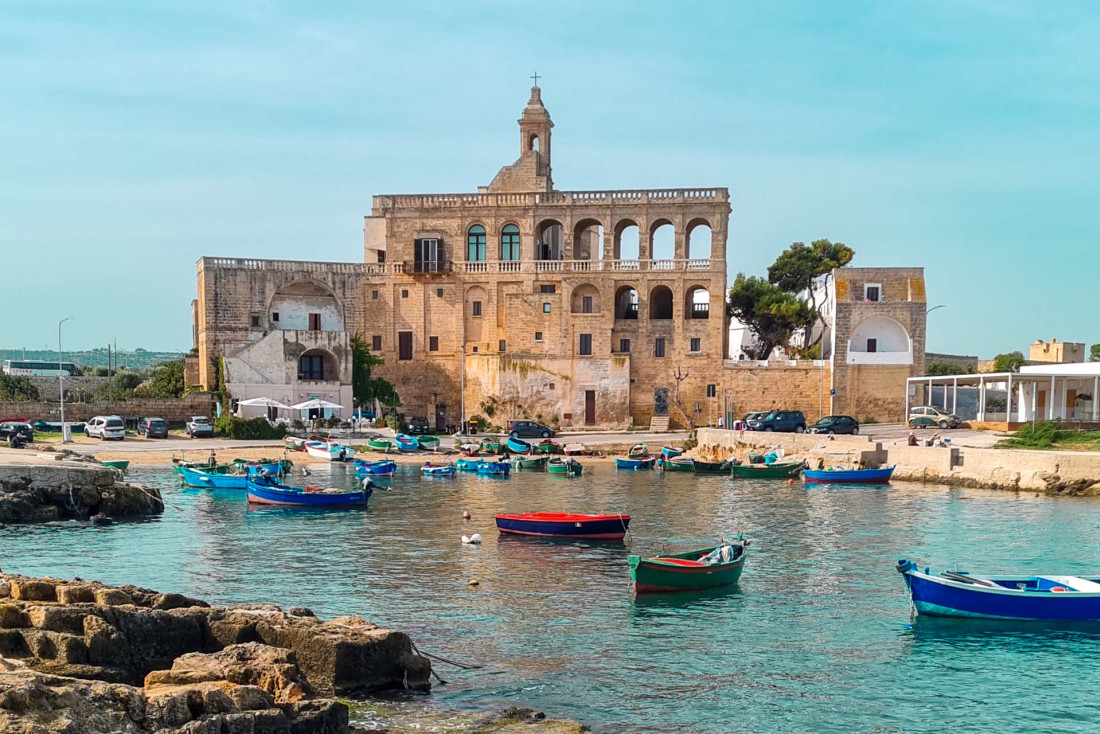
x=471 y=540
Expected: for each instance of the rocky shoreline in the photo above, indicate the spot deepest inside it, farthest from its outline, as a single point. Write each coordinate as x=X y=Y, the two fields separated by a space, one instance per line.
x=48 y=491
x=86 y=658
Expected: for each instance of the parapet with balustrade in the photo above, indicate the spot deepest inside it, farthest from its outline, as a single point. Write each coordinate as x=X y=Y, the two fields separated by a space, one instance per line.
x=459 y=266
x=390 y=202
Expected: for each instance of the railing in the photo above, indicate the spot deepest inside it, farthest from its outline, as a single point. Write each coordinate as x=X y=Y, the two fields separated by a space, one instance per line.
x=234 y=263
x=700 y=311
x=550 y=198
x=473 y=266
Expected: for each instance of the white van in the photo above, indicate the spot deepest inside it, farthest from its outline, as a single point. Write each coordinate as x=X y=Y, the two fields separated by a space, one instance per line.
x=105 y=427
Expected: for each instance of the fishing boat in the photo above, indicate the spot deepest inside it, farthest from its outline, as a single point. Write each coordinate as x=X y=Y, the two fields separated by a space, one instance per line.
x=437 y=470
x=494 y=468
x=491 y=446
x=120 y=464
x=548 y=446
x=565 y=525
x=329 y=451
x=535 y=463
x=255 y=467
x=518 y=445
x=271 y=493
x=849 y=476
x=574 y=449
x=710 y=467
x=638 y=451
x=567 y=466
x=643 y=462
x=470 y=449
x=680 y=463
x=406 y=442
x=782 y=470
x=379 y=444
x=382 y=467
x=207 y=480
x=1054 y=597
x=428 y=443
x=670 y=452
x=467 y=464
x=294 y=443
x=211 y=467
x=706 y=568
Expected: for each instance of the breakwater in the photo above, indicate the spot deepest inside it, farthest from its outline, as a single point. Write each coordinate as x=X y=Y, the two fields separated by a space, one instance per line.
x=33 y=489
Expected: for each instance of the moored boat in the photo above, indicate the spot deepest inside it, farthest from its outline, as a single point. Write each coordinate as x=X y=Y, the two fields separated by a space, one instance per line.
x=518 y=445
x=494 y=468
x=565 y=525
x=849 y=476
x=294 y=443
x=406 y=442
x=680 y=463
x=574 y=449
x=470 y=449
x=428 y=443
x=379 y=444
x=467 y=464
x=567 y=466
x=491 y=446
x=437 y=470
x=1053 y=597
x=327 y=451
x=671 y=452
x=638 y=450
x=207 y=480
x=710 y=467
x=535 y=463
x=783 y=470
x=643 y=462
x=120 y=464
x=705 y=568
x=548 y=446
x=382 y=467
x=271 y=493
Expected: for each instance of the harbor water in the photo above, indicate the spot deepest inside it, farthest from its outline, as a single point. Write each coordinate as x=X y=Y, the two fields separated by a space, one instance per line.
x=816 y=637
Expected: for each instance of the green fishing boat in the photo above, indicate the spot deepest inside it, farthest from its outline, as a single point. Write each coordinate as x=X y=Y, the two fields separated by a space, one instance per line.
x=706 y=568
x=569 y=467
x=380 y=444
x=767 y=471
x=535 y=463
x=428 y=443
x=711 y=467
x=121 y=464
x=548 y=447
x=491 y=446
x=684 y=464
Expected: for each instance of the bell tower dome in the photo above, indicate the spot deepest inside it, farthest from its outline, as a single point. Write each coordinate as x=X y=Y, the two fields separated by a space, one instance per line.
x=531 y=171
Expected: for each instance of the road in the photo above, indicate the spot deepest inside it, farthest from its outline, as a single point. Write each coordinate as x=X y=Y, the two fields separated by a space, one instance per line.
x=899 y=433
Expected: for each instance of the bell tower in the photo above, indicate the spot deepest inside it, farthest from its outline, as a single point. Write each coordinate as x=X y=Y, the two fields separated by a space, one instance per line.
x=534 y=130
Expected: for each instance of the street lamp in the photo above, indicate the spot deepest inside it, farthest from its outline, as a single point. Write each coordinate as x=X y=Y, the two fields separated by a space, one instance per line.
x=944 y=305
x=66 y=434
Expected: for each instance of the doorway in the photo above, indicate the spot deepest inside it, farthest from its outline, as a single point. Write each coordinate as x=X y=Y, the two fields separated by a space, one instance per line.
x=589 y=407
x=440 y=418
x=660 y=401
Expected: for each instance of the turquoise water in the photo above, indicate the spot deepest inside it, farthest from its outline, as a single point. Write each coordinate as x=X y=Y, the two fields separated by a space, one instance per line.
x=816 y=637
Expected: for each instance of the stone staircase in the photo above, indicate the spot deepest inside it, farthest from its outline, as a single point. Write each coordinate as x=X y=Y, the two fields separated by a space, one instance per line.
x=658 y=423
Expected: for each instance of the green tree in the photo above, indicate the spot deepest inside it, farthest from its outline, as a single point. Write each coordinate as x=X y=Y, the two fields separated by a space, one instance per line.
x=17 y=389
x=769 y=312
x=1009 y=362
x=364 y=386
x=798 y=269
x=1094 y=353
x=166 y=381
x=938 y=367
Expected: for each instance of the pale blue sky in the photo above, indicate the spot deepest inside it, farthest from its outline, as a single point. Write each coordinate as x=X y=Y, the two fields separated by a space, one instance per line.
x=958 y=135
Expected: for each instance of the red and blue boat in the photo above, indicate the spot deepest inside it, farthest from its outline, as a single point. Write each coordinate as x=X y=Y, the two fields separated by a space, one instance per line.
x=1048 y=598
x=848 y=476
x=382 y=467
x=267 y=492
x=565 y=525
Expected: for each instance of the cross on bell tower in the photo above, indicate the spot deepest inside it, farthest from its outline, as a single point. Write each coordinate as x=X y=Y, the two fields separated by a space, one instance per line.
x=534 y=131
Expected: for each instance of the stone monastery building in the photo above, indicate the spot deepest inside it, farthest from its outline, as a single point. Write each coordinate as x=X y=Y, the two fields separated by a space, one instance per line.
x=560 y=301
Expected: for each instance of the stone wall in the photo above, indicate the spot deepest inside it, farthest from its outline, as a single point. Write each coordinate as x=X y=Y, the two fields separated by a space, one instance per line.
x=49 y=389
x=173 y=411
x=801 y=385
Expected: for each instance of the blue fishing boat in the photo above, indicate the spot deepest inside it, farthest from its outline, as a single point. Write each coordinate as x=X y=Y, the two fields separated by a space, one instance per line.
x=467 y=464
x=670 y=453
x=518 y=445
x=382 y=467
x=849 y=476
x=644 y=462
x=494 y=468
x=405 y=442
x=565 y=525
x=267 y=492
x=209 y=480
x=1052 y=598
x=274 y=467
x=438 y=470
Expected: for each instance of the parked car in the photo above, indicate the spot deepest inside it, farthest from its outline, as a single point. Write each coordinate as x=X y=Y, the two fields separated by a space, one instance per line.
x=781 y=421
x=919 y=417
x=758 y=415
x=843 y=424
x=529 y=429
x=200 y=427
x=105 y=427
x=153 y=428
x=418 y=426
x=23 y=430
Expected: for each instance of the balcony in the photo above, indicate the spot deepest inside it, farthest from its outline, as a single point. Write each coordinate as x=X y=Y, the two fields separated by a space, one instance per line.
x=583 y=266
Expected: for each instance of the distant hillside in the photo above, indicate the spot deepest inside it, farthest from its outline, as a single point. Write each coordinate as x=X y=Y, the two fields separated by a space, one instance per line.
x=139 y=359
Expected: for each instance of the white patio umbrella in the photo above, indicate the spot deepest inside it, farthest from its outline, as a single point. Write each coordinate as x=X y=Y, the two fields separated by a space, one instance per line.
x=316 y=404
x=262 y=403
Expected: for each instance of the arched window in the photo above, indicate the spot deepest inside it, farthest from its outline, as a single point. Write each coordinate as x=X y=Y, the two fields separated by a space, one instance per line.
x=509 y=243
x=475 y=243
x=660 y=303
x=533 y=143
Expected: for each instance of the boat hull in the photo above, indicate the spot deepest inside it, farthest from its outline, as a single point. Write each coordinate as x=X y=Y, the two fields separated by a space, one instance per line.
x=849 y=476
x=711 y=467
x=406 y=443
x=645 y=463
x=376 y=445
x=330 y=452
x=375 y=468
x=678 y=573
x=536 y=464
x=670 y=452
x=438 y=471
x=491 y=447
x=428 y=443
x=204 y=480
x=684 y=465
x=289 y=497
x=518 y=446
x=570 y=468
x=467 y=464
x=560 y=525
x=494 y=468
x=120 y=464
x=766 y=471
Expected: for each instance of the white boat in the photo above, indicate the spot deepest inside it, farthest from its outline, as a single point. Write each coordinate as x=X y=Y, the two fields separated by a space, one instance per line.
x=574 y=449
x=328 y=451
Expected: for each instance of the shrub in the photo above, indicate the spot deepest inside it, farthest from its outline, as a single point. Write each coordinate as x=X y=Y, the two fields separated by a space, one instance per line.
x=1040 y=435
x=230 y=426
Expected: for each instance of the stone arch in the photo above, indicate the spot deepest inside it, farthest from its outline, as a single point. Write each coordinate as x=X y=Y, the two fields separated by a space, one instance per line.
x=626 y=302
x=627 y=233
x=549 y=243
x=578 y=302
x=697 y=302
x=588 y=240
x=511 y=242
x=880 y=335
x=660 y=303
x=533 y=142
x=700 y=238
x=662 y=240
x=318 y=365
x=296 y=300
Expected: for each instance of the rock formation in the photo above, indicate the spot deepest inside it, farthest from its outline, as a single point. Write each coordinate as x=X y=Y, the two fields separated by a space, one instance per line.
x=61 y=491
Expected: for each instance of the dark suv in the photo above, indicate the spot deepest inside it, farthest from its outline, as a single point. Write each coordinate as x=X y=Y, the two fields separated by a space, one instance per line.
x=781 y=421
x=154 y=428
x=418 y=426
x=836 y=424
x=18 y=428
x=529 y=429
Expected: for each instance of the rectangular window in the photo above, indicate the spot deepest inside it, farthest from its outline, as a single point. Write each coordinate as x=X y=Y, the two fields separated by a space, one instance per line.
x=586 y=344
x=433 y=343
x=586 y=304
x=255 y=322
x=503 y=344
x=624 y=346
x=659 y=347
x=475 y=308
x=475 y=350
x=538 y=336
x=696 y=344
x=311 y=367
x=374 y=295
x=872 y=345
x=546 y=308
x=548 y=289
x=872 y=292
x=712 y=391
x=438 y=292
x=404 y=292
x=315 y=322
x=376 y=342
x=428 y=255
x=404 y=345
x=381 y=255
x=275 y=316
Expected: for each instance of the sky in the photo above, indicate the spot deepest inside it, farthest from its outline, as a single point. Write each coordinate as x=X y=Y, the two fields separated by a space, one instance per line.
x=957 y=135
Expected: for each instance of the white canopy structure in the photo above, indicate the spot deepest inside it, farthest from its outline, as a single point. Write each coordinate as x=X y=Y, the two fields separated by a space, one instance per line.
x=317 y=404
x=262 y=403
